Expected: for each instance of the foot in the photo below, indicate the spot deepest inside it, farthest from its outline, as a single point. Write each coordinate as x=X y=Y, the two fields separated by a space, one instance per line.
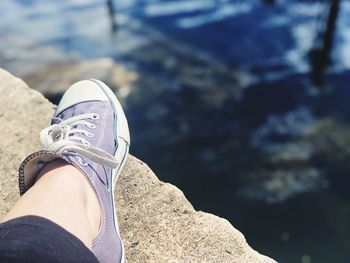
x=89 y=130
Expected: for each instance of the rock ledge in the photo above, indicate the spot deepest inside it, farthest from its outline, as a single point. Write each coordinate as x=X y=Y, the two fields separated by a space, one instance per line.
x=157 y=223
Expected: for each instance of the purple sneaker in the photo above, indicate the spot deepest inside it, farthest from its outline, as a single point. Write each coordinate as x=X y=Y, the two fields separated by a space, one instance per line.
x=89 y=130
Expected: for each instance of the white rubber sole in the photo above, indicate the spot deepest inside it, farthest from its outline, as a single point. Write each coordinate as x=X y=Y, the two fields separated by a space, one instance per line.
x=123 y=138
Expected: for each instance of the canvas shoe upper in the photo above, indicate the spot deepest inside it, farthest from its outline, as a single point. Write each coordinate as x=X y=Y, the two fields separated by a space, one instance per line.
x=89 y=130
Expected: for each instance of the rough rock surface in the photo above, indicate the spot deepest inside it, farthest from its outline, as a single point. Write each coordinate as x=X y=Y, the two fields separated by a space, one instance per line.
x=157 y=223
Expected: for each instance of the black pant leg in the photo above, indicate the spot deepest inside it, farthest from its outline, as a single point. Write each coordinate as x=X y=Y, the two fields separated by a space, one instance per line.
x=36 y=239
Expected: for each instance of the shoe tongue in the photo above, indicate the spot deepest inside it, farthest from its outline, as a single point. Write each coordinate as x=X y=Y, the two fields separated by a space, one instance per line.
x=78 y=109
x=75 y=110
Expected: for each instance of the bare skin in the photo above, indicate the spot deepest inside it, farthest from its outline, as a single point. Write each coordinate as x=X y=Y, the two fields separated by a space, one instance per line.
x=64 y=196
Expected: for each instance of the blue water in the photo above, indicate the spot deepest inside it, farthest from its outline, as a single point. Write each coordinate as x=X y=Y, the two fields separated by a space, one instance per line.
x=210 y=138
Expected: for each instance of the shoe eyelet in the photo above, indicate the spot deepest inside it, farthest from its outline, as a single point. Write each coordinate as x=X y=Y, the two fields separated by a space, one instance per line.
x=81 y=161
x=92 y=126
x=90 y=135
x=85 y=142
x=95 y=116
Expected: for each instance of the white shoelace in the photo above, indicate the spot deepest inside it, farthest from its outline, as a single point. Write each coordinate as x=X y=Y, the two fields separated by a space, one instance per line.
x=63 y=138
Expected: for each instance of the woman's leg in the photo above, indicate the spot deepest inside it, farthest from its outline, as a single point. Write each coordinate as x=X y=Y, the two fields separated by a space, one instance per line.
x=90 y=135
x=63 y=195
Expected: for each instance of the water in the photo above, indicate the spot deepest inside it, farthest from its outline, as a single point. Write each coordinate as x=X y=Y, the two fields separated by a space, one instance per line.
x=223 y=105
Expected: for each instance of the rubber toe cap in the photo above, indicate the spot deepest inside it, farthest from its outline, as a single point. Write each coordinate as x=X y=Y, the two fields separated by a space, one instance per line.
x=81 y=91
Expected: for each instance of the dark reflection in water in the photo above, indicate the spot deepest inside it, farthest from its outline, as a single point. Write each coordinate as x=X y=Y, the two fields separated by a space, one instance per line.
x=278 y=141
x=224 y=105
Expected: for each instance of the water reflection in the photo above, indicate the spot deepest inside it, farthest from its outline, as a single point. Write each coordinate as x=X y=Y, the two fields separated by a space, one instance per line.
x=320 y=55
